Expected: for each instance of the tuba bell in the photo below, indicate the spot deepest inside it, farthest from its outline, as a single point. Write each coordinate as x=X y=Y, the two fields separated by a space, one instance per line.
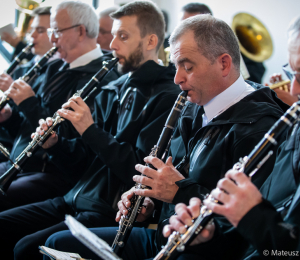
x=254 y=39
x=25 y=8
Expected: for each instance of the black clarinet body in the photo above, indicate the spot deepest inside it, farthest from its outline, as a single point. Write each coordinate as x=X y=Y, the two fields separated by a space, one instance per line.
x=160 y=151
x=249 y=165
x=19 y=58
x=7 y=178
x=31 y=74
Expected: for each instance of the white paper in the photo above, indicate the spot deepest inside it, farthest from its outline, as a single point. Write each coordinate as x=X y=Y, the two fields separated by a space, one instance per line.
x=59 y=255
x=93 y=242
x=9 y=28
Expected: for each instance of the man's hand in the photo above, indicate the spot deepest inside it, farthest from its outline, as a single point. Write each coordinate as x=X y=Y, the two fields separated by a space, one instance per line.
x=237 y=194
x=184 y=217
x=44 y=125
x=19 y=91
x=5 y=113
x=5 y=81
x=12 y=40
x=124 y=204
x=81 y=117
x=162 y=181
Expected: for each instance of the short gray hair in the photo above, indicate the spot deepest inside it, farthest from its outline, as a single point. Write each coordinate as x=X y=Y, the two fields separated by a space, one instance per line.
x=107 y=11
x=81 y=13
x=213 y=36
x=294 y=28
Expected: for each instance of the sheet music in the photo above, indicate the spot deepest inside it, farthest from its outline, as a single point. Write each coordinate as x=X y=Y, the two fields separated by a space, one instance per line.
x=59 y=255
x=9 y=28
x=93 y=242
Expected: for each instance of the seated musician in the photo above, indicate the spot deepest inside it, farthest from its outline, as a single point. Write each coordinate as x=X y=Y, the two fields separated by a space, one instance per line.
x=77 y=46
x=223 y=120
x=268 y=219
x=129 y=115
x=38 y=33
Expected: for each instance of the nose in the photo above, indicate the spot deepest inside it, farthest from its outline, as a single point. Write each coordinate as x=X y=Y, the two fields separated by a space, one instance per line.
x=52 y=38
x=295 y=87
x=34 y=34
x=113 y=44
x=179 y=78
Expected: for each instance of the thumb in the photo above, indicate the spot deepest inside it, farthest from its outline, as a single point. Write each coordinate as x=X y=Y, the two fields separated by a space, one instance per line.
x=169 y=161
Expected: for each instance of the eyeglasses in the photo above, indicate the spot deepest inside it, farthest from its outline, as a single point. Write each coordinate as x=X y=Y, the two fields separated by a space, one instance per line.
x=57 y=33
x=290 y=73
x=39 y=30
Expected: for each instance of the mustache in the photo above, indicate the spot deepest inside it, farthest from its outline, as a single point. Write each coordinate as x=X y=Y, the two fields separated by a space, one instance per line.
x=118 y=56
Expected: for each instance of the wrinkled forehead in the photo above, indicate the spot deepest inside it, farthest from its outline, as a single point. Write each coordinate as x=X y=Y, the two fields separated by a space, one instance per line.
x=294 y=53
x=60 y=19
x=184 y=47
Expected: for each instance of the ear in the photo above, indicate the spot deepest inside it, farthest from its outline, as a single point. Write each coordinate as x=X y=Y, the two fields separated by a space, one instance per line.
x=225 y=62
x=82 y=32
x=152 y=42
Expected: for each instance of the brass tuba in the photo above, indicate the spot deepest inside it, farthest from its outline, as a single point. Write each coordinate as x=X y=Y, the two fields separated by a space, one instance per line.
x=254 y=39
x=25 y=8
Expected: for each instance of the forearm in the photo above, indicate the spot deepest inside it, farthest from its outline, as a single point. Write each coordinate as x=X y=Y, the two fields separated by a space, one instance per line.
x=265 y=229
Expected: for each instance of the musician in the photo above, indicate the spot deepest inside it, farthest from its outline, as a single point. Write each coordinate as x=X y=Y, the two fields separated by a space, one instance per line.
x=129 y=115
x=105 y=24
x=39 y=37
x=223 y=120
x=77 y=46
x=38 y=29
x=268 y=218
x=192 y=9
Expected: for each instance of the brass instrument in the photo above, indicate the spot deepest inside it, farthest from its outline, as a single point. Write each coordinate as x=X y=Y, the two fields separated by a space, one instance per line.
x=164 y=55
x=25 y=8
x=254 y=39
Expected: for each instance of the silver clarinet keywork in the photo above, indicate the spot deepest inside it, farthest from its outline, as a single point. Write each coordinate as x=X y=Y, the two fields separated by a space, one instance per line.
x=31 y=74
x=7 y=178
x=19 y=58
x=160 y=151
x=249 y=165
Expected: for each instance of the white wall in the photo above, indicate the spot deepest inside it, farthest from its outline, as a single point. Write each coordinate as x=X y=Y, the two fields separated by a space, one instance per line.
x=274 y=14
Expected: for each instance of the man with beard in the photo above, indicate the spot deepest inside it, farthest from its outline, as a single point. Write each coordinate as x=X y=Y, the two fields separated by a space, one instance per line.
x=129 y=116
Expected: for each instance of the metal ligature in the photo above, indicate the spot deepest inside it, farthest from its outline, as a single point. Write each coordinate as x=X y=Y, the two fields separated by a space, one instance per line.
x=249 y=165
x=19 y=58
x=7 y=178
x=31 y=74
x=160 y=151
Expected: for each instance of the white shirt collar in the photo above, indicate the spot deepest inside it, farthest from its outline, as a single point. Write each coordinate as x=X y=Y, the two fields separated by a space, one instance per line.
x=87 y=58
x=238 y=90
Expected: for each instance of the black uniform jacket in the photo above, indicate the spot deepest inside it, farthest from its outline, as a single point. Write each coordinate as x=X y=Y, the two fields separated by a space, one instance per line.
x=212 y=150
x=5 y=138
x=129 y=116
x=274 y=224
x=57 y=88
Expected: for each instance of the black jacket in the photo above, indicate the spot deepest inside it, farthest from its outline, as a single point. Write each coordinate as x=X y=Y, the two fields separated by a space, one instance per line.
x=274 y=224
x=129 y=116
x=212 y=150
x=57 y=88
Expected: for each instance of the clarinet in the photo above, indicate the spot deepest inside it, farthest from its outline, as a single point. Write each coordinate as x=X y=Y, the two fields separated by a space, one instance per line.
x=160 y=151
x=31 y=74
x=249 y=165
x=38 y=140
x=18 y=59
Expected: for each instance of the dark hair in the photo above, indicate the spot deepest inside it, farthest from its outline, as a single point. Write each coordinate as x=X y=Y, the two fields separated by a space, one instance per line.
x=149 y=18
x=42 y=11
x=196 y=8
x=166 y=17
x=213 y=36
